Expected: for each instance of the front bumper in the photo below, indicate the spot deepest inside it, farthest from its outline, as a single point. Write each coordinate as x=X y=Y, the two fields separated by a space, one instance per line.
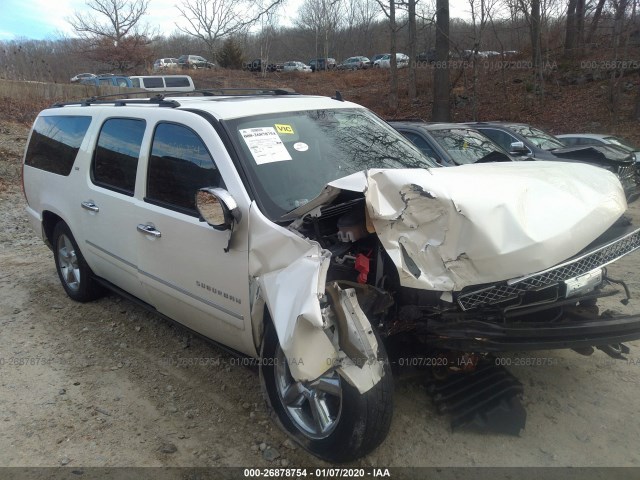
x=480 y=336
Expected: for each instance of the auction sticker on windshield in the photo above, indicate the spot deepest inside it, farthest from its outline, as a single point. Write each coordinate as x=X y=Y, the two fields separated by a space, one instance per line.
x=265 y=145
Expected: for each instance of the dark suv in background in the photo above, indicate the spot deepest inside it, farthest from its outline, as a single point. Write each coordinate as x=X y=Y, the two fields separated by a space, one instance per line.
x=322 y=64
x=523 y=139
x=451 y=144
x=194 y=62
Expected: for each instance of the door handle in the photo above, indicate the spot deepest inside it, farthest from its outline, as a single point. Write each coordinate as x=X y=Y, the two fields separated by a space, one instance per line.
x=89 y=205
x=149 y=229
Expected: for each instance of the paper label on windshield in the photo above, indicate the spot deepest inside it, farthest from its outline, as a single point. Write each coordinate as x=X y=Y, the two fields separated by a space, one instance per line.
x=287 y=129
x=265 y=145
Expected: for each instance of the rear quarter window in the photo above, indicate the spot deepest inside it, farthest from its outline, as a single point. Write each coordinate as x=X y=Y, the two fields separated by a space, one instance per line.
x=176 y=82
x=55 y=142
x=153 y=82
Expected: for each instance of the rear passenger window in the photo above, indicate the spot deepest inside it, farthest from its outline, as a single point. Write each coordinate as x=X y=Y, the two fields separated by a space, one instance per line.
x=176 y=82
x=55 y=142
x=179 y=165
x=116 y=157
x=153 y=82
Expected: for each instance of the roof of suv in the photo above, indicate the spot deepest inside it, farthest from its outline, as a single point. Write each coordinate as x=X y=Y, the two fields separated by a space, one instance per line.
x=498 y=123
x=230 y=106
x=429 y=125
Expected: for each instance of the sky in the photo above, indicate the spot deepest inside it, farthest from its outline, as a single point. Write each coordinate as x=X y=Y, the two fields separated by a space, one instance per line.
x=48 y=19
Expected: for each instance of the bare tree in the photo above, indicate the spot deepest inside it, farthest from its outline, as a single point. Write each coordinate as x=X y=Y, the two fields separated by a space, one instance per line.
x=481 y=13
x=574 y=32
x=390 y=12
x=323 y=17
x=441 y=108
x=114 y=32
x=595 y=20
x=413 y=40
x=213 y=20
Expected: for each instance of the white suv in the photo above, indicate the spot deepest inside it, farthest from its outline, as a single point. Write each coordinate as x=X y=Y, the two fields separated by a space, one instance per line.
x=305 y=232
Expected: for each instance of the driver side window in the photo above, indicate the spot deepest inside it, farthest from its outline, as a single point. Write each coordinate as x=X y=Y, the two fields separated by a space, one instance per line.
x=501 y=138
x=179 y=164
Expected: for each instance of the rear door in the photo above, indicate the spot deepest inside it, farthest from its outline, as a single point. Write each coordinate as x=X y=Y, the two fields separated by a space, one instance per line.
x=107 y=203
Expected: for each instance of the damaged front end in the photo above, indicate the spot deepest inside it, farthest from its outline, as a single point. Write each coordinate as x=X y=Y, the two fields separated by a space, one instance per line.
x=420 y=264
x=434 y=261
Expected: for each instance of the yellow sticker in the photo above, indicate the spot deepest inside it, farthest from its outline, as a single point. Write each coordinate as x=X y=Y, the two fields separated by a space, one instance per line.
x=284 y=129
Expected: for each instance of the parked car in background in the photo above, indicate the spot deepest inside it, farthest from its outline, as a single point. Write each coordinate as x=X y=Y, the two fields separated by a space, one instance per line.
x=579 y=139
x=257 y=64
x=320 y=64
x=81 y=76
x=428 y=56
x=165 y=63
x=194 y=62
x=108 y=80
x=402 y=61
x=523 y=139
x=163 y=83
x=376 y=57
x=354 y=63
x=451 y=144
x=295 y=66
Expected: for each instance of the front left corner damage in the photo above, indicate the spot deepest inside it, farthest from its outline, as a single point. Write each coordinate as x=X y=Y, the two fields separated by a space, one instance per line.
x=305 y=333
x=291 y=282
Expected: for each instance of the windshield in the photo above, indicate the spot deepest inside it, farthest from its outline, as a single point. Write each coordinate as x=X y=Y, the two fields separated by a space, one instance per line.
x=289 y=157
x=539 y=138
x=465 y=146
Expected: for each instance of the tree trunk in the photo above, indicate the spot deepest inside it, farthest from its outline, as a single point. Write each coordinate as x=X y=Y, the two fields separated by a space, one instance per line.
x=441 y=109
x=393 y=94
x=412 y=90
x=579 y=24
x=596 y=18
x=570 y=35
x=535 y=32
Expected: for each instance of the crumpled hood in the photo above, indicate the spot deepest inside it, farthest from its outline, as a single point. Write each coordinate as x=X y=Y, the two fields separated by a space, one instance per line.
x=447 y=228
x=601 y=154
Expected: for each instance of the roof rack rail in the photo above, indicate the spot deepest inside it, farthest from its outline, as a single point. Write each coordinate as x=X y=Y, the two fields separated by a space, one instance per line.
x=159 y=99
x=241 y=92
x=119 y=102
x=406 y=119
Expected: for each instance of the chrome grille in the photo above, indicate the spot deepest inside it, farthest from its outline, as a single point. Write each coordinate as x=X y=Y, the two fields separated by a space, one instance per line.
x=626 y=171
x=585 y=263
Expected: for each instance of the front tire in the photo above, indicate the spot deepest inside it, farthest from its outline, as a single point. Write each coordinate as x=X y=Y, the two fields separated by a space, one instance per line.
x=75 y=275
x=328 y=417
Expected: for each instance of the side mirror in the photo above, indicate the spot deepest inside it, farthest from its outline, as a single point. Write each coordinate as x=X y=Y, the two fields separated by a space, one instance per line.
x=518 y=148
x=217 y=207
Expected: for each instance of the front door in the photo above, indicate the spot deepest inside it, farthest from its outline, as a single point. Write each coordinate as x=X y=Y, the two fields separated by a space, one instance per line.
x=182 y=260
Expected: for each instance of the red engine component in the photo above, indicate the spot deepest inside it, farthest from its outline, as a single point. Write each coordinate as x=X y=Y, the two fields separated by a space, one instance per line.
x=362 y=266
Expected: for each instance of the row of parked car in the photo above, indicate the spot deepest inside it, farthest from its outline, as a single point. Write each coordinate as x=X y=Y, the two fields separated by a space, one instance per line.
x=360 y=62
x=451 y=144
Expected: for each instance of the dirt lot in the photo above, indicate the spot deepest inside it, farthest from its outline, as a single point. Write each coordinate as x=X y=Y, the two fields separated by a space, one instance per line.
x=109 y=384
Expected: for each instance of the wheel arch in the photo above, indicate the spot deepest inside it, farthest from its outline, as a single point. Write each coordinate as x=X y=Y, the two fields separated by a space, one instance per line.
x=49 y=221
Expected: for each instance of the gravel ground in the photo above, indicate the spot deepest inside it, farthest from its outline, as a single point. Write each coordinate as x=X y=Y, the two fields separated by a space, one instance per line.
x=110 y=384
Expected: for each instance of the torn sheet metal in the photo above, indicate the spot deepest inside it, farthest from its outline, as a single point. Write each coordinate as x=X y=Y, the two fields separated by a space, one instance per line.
x=291 y=272
x=449 y=228
x=358 y=351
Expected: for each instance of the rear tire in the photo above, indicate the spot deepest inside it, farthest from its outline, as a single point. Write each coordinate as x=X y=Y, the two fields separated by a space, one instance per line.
x=328 y=417
x=75 y=275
